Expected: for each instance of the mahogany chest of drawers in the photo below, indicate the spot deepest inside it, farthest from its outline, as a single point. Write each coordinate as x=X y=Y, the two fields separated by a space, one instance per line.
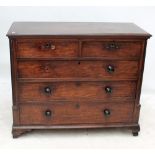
x=76 y=75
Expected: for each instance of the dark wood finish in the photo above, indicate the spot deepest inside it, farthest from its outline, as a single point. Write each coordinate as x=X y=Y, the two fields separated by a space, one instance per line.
x=75 y=113
x=78 y=69
x=44 y=92
x=115 y=49
x=135 y=130
x=46 y=48
x=76 y=75
x=18 y=132
x=75 y=29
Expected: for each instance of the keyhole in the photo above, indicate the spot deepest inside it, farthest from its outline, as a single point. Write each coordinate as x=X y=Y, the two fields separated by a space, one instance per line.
x=78 y=83
x=79 y=62
x=77 y=106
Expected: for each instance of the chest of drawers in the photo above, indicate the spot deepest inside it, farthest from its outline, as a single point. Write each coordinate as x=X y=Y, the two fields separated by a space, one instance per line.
x=76 y=75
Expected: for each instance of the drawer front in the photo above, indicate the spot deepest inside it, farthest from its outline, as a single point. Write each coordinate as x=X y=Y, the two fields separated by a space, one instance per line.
x=34 y=48
x=40 y=92
x=76 y=113
x=110 y=50
x=107 y=70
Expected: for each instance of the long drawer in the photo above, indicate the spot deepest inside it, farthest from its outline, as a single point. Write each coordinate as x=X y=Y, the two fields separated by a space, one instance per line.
x=49 y=91
x=106 y=70
x=76 y=113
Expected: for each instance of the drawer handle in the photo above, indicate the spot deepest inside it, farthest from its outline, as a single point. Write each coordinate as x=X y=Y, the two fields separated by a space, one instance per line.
x=48 y=46
x=107 y=112
x=48 y=113
x=112 y=46
x=108 y=89
x=110 y=68
x=47 y=90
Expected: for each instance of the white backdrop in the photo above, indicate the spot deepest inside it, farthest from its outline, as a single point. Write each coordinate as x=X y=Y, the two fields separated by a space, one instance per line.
x=142 y=16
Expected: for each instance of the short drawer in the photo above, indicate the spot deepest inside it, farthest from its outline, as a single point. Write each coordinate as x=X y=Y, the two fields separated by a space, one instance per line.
x=46 y=92
x=46 y=48
x=105 y=70
x=76 y=113
x=111 y=49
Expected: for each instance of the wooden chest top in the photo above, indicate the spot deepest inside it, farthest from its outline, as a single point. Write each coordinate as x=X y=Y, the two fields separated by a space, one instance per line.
x=76 y=28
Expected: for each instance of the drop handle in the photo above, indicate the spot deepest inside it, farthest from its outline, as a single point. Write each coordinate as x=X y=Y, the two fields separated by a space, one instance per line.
x=48 y=113
x=48 y=46
x=112 y=46
x=106 y=112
